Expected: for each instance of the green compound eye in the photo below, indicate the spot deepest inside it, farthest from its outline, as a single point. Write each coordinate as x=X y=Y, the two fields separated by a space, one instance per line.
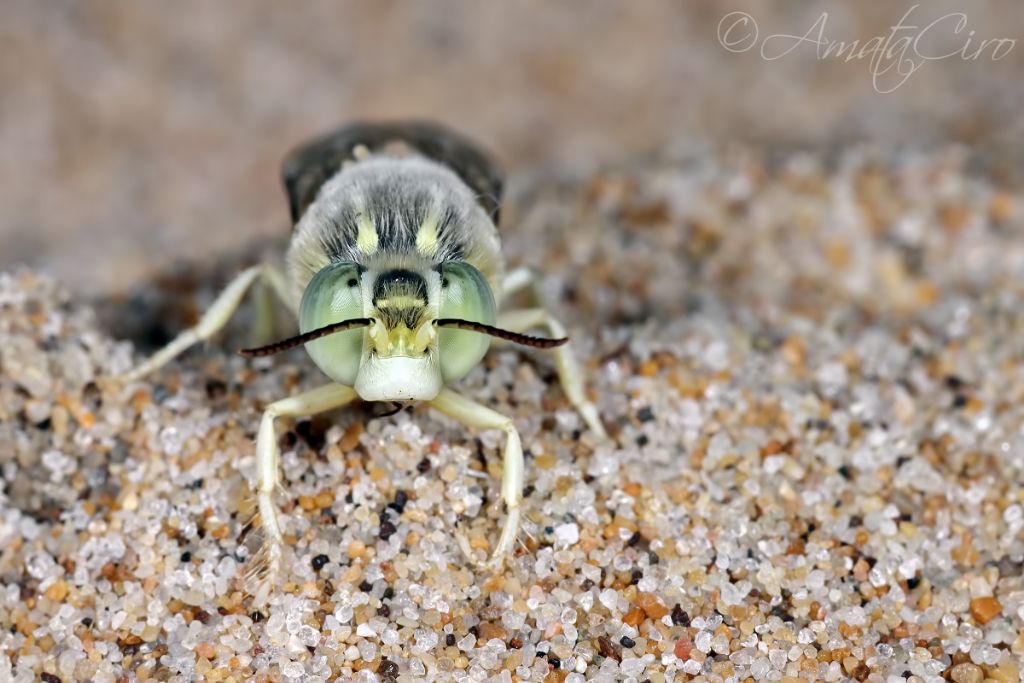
x=331 y=296
x=465 y=294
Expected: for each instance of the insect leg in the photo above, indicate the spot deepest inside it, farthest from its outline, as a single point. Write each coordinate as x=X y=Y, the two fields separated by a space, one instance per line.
x=473 y=414
x=275 y=278
x=212 y=321
x=267 y=562
x=518 y=279
x=272 y=284
x=569 y=372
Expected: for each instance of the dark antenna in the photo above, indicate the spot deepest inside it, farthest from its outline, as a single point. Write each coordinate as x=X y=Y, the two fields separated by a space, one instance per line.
x=299 y=340
x=458 y=323
x=515 y=337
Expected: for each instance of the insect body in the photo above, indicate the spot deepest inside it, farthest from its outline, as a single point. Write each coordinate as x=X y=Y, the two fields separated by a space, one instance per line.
x=396 y=276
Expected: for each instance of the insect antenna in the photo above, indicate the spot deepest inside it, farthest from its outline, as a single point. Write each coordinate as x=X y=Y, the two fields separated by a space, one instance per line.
x=299 y=340
x=497 y=332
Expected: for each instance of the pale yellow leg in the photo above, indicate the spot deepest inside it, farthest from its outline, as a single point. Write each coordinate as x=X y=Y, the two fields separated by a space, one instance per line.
x=473 y=414
x=518 y=280
x=267 y=564
x=271 y=288
x=215 y=317
x=278 y=282
x=569 y=372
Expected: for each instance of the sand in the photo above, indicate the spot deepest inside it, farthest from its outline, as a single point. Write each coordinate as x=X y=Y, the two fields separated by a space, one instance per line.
x=811 y=371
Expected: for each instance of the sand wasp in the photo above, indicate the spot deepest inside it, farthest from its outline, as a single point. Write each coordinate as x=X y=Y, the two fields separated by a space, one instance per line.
x=395 y=274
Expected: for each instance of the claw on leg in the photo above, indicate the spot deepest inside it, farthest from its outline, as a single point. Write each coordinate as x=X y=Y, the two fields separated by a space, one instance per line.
x=264 y=570
x=266 y=565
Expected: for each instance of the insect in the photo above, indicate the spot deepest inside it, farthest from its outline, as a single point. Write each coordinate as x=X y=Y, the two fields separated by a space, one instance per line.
x=395 y=274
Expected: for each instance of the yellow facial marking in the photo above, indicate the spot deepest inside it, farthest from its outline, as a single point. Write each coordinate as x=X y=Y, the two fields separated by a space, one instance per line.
x=426 y=236
x=401 y=341
x=366 y=238
x=400 y=301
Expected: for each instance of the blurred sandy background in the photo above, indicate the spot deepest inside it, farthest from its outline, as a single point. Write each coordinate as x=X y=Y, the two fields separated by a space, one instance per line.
x=137 y=134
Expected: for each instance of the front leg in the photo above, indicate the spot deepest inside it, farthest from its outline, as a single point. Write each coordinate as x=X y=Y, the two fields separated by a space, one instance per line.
x=215 y=317
x=472 y=414
x=266 y=565
x=570 y=375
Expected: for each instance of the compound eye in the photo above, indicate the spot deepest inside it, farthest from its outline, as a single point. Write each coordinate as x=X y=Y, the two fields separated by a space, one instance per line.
x=465 y=294
x=333 y=295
